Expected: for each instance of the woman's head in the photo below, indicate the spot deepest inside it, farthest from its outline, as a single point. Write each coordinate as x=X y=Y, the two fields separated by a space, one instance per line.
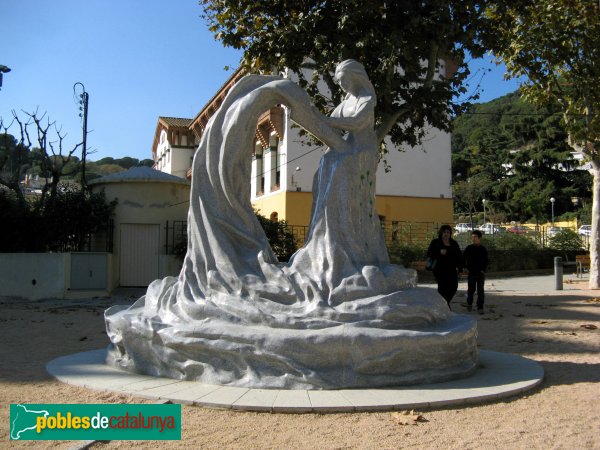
x=350 y=73
x=445 y=228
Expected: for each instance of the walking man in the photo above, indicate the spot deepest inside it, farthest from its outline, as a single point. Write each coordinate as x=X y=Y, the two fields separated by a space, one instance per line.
x=475 y=258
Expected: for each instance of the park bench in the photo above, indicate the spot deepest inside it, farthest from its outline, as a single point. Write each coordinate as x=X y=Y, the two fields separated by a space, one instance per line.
x=582 y=263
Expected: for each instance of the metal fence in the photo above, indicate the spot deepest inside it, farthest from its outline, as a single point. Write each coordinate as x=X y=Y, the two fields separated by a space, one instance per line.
x=99 y=241
x=176 y=236
x=396 y=233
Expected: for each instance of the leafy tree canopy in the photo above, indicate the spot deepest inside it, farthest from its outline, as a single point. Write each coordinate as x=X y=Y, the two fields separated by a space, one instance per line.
x=556 y=45
x=517 y=156
x=401 y=44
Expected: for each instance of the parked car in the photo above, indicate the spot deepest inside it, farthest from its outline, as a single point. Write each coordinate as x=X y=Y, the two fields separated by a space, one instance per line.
x=553 y=231
x=519 y=230
x=462 y=228
x=585 y=230
x=491 y=228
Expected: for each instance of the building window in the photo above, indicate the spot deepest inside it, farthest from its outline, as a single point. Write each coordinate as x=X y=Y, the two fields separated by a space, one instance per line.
x=275 y=162
x=259 y=173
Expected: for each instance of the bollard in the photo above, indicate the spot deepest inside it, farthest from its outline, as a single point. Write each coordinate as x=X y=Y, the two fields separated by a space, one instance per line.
x=558 y=273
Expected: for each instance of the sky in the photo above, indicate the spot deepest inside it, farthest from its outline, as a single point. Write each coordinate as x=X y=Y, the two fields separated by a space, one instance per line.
x=138 y=60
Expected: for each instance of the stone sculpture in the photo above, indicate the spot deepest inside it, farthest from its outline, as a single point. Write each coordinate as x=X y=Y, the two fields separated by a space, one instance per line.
x=338 y=315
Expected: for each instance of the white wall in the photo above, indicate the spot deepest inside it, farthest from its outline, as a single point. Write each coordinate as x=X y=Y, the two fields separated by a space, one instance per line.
x=180 y=161
x=423 y=171
x=171 y=158
x=34 y=275
x=149 y=203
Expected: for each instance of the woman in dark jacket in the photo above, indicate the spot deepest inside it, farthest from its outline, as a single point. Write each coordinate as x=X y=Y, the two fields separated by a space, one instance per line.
x=446 y=257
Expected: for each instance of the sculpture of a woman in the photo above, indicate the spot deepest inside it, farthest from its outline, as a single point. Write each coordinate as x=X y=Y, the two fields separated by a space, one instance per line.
x=344 y=255
x=338 y=315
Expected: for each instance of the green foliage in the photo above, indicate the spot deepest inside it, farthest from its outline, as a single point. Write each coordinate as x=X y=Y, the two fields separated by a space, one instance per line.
x=510 y=241
x=279 y=236
x=15 y=159
x=514 y=155
x=555 y=44
x=62 y=223
x=566 y=240
x=147 y=162
x=127 y=162
x=19 y=226
x=383 y=35
x=407 y=254
x=72 y=215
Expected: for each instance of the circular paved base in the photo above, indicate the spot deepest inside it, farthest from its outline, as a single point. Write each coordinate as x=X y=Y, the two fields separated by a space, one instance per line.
x=498 y=375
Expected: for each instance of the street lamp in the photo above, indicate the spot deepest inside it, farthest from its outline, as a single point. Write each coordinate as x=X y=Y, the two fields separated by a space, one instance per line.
x=483 y=201
x=552 y=200
x=3 y=69
x=83 y=100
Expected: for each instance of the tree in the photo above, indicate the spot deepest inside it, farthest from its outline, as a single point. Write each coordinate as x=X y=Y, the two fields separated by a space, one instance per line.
x=555 y=44
x=14 y=161
x=48 y=152
x=401 y=44
x=520 y=148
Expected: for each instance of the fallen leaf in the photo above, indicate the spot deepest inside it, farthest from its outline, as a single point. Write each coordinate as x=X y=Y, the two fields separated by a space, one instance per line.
x=565 y=333
x=589 y=326
x=408 y=417
x=519 y=315
x=539 y=321
x=593 y=300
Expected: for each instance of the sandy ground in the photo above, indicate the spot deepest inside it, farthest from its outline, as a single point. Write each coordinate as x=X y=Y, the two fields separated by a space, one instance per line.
x=563 y=412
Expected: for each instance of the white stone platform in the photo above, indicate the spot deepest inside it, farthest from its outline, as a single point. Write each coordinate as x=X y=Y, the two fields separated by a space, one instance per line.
x=499 y=375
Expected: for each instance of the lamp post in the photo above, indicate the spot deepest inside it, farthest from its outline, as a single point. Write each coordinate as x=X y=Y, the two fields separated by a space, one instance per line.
x=483 y=201
x=3 y=69
x=83 y=101
x=552 y=200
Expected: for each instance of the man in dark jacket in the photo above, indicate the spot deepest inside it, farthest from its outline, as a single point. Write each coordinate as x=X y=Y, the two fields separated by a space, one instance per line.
x=475 y=259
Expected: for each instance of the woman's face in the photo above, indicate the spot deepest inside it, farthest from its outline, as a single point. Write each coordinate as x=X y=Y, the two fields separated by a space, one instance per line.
x=446 y=234
x=343 y=79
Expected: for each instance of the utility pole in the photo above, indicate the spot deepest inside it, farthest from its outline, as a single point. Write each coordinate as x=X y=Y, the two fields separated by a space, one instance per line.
x=83 y=100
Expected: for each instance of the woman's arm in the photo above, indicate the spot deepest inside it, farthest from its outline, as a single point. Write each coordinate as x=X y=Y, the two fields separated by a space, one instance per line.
x=363 y=115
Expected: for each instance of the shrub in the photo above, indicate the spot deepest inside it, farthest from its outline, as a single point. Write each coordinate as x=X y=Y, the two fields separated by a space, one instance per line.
x=566 y=240
x=279 y=236
x=407 y=254
x=62 y=223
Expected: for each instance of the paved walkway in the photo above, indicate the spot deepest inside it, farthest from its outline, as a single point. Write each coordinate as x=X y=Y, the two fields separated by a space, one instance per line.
x=538 y=284
x=498 y=375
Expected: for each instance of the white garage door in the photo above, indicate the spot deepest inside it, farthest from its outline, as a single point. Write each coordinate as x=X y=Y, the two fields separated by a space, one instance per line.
x=139 y=253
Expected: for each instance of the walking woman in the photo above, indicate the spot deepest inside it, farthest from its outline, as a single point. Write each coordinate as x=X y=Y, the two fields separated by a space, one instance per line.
x=446 y=262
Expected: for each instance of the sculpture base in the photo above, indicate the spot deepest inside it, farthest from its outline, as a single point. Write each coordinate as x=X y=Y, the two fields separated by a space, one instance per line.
x=342 y=354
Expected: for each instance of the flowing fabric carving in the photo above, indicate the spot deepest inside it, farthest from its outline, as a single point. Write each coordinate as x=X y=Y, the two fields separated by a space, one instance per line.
x=338 y=315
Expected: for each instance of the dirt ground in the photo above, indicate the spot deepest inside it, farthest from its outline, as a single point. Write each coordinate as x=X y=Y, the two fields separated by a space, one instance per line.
x=563 y=412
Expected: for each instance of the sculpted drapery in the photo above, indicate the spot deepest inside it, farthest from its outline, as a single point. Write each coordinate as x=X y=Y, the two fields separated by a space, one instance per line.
x=337 y=315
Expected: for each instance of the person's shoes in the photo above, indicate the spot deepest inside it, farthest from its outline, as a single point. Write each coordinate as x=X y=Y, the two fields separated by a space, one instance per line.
x=480 y=310
x=469 y=308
